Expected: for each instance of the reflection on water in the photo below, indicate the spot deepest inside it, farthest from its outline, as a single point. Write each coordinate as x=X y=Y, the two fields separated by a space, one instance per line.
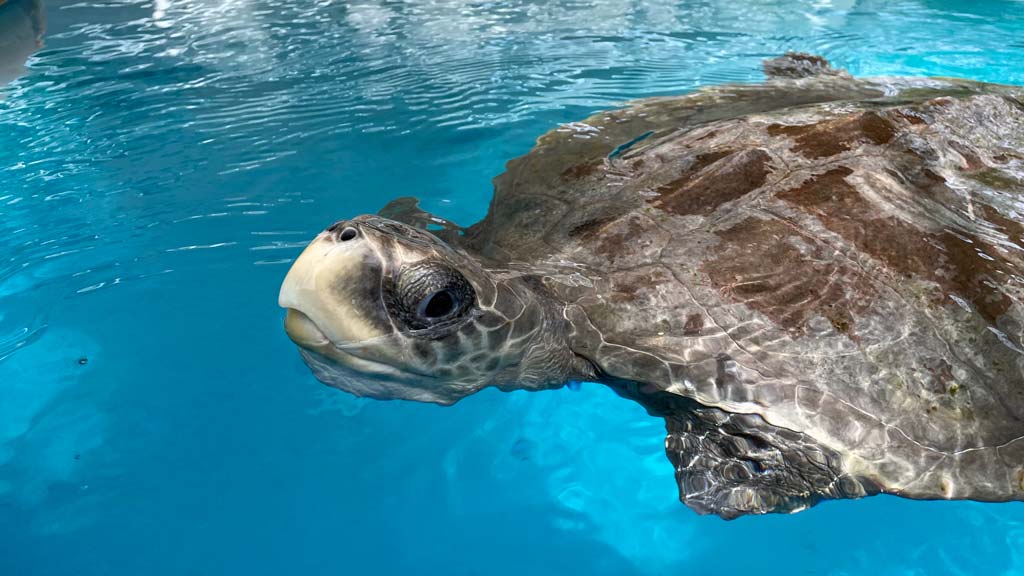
x=22 y=24
x=163 y=161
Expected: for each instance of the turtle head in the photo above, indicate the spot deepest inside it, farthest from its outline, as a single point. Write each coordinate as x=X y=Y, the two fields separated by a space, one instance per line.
x=381 y=309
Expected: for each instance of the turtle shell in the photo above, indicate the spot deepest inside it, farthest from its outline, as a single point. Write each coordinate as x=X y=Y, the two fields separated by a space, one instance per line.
x=817 y=280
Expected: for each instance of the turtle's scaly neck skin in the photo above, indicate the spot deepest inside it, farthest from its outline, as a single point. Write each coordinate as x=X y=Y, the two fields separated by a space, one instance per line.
x=815 y=281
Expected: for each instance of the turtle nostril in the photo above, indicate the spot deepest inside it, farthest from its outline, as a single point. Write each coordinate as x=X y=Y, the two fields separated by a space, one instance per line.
x=347 y=234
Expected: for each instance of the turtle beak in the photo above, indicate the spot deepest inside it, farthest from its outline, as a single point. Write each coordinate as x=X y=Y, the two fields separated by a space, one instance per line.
x=332 y=292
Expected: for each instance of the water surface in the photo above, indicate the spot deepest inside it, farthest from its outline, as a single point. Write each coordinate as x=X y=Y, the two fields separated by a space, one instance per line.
x=162 y=163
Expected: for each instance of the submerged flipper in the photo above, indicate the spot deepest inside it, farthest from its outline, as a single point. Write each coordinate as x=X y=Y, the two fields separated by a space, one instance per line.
x=737 y=464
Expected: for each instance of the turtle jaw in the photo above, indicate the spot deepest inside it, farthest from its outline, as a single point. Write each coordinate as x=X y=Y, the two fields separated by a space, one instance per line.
x=369 y=379
x=303 y=331
x=341 y=367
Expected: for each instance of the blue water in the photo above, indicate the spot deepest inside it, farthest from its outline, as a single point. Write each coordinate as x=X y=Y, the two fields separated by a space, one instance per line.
x=161 y=163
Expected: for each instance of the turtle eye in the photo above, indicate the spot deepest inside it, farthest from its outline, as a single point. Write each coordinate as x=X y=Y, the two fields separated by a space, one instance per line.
x=429 y=294
x=438 y=305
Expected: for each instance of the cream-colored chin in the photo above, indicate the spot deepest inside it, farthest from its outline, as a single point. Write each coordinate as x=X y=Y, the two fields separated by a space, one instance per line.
x=303 y=331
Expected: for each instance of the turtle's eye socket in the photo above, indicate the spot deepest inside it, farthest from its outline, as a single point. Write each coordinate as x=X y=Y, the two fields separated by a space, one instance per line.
x=429 y=294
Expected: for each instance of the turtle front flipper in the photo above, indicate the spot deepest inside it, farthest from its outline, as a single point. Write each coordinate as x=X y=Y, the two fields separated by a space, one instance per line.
x=737 y=464
x=407 y=211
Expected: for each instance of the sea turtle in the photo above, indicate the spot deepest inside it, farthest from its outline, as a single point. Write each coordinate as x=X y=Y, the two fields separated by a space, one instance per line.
x=816 y=281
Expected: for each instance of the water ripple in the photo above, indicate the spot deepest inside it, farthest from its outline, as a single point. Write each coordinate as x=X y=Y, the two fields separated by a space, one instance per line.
x=151 y=144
